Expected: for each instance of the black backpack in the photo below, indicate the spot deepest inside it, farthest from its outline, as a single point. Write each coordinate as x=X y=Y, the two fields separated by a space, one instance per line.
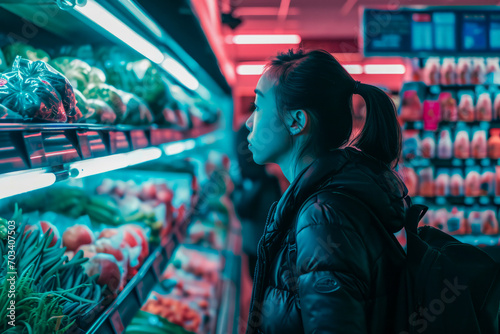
x=446 y=286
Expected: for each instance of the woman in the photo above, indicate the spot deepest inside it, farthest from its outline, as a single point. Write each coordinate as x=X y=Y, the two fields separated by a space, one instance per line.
x=253 y=195
x=323 y=265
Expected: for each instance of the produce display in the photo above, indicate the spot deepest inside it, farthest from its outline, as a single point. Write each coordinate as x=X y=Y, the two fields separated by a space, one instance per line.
x=186 y=294
x=54 y=293
x=111 y=87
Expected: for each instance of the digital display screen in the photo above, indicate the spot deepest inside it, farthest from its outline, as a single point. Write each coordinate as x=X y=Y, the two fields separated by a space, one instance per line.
x=495 y=31
x=474 y=32
x=444 y=31
x=387 y=32
x=465 y=31
x=421 y=26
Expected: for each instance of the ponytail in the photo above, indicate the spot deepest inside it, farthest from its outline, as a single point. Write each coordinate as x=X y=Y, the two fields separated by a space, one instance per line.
x=381 y=134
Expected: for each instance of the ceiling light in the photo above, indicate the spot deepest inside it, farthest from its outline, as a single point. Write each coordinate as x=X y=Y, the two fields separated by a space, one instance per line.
x=103 y=18
x=353 y=68
x=385 y=69
x=250 y=69
x=266 y=39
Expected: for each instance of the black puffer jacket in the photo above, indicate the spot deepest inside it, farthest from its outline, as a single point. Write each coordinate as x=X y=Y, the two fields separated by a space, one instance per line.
x=335 y=274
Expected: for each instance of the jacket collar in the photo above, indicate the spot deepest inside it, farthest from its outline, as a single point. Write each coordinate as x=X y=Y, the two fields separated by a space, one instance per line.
x=306 y=183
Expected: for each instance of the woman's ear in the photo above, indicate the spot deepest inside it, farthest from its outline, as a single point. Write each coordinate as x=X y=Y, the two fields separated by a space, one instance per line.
x=298 y=121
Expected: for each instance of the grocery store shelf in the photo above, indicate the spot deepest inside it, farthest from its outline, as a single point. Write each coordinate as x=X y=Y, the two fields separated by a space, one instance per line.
x=119 y=314
x=458 y=200
x=26 y=146
x=452 y=163
x=420 y=125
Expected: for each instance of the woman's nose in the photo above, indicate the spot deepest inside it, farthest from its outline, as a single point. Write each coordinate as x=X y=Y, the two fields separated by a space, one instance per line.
x=249 y=122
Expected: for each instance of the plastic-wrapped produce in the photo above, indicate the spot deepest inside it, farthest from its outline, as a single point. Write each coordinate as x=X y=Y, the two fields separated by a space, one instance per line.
x=464 y=69
x=75 y=70
x=411 y=108
x=472 y=183
x=428 y=145
x=3 y=63
x=494 y=144
x=478 y=72
x=448 y=72
x=103 y=114
x=479 y=144
x=31 y=70
x=431 y=71
x=442 y=183
x=466 y=108
x=96 y=76
x=110 y=96
x=35 y=99
x=138 y=112
x=426 y=182
x=448 y=106
x=484 y=107
x=25 y=51
x=82 y=104
x=445 y=148
x=457 y=183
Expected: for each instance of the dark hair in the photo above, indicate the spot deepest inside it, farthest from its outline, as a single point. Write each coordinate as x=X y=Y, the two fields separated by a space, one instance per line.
x=317 y=83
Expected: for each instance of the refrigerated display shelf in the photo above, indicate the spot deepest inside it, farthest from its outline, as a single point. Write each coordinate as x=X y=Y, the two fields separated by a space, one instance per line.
x=452 y=163
x=119 y=314
x=458 y=200
x=419 y=125
x=26 y=146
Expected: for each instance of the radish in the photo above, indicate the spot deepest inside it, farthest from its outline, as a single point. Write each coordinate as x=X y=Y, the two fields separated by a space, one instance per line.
x=76 y=236
x=46 y=226
x=88 y=250
x=107 y=267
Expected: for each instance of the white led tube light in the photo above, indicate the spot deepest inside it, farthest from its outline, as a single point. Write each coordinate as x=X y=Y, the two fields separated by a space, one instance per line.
x=21 y=182
x=95 y=166
x=103 y=18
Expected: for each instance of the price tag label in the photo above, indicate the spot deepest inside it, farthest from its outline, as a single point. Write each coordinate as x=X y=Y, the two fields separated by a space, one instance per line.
x=469 y=200
x=440 y=200
x=484 y=200
x=139 y=288
x=169 y=249
x=456 y=162
x=485 y=162
x=117 y=323
x=469 y=162
x=157 y=265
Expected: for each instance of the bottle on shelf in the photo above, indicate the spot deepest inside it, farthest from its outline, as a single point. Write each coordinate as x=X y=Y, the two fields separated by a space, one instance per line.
x=484 y=107
x=494 y=144
x=457 y=183
x=461 y=145
x=478 y=72
x=479 y=144
x=464 y=68
x=445 y=148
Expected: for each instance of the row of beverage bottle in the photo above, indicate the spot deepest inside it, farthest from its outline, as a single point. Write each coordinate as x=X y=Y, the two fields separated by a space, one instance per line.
x=473 y=182
x=463 y=142
x=481 y=104
x=461 y=71
x=462 y=221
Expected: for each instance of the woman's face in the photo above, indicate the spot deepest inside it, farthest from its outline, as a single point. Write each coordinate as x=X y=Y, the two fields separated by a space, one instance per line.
x=269 y=139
